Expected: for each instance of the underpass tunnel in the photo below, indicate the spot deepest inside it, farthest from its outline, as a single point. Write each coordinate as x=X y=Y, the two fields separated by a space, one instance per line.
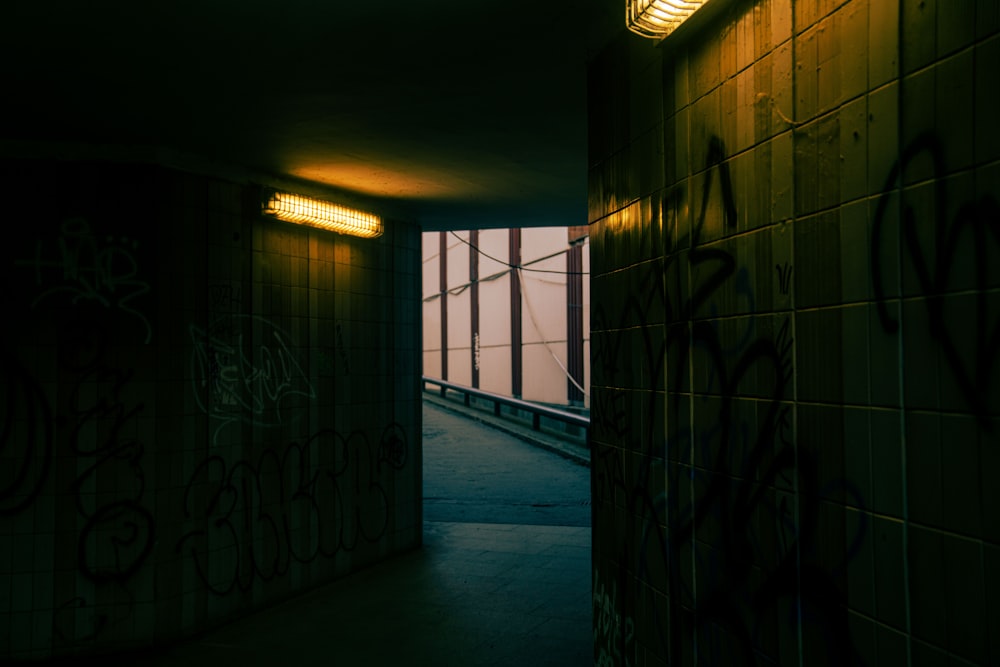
x=211 y=415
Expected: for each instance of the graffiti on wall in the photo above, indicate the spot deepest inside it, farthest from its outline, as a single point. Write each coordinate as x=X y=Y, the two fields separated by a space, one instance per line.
x=80 y=423
x=100 y=425
x=784 y=277
x=251 y=520
x=225 y=297
x=81 y=267
x=27 y=437
x=89 y=411
x=246 y=369
x=614 y=636
x=724 y=505
x=956 y=237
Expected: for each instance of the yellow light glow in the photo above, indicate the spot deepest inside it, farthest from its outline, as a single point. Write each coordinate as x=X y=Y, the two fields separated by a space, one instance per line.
x=316 y=213
x=658 y=18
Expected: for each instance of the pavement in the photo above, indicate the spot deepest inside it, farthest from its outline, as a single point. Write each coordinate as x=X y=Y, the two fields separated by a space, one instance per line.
x=476 y=473
x=503 y=576
x=573 y=448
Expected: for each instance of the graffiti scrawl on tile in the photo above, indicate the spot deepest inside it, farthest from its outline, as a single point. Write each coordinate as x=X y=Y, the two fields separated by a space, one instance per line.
x=246 y=369
x=80 y=266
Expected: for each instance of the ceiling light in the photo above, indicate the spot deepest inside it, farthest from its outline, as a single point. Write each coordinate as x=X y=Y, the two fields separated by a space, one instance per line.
x=658 y=18
x=322 y=214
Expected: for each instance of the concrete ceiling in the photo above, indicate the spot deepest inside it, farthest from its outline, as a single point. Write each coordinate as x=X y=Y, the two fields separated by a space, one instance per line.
x=459 y=114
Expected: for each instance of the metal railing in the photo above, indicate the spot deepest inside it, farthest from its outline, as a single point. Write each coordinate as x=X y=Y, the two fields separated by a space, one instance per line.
x=536 y=411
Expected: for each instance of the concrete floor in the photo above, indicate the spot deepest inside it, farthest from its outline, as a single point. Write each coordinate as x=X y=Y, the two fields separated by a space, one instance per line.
x=499 y=583
x=475 y=473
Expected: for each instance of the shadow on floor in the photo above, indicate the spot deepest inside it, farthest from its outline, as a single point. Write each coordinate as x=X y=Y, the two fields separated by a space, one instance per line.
x=474 y=595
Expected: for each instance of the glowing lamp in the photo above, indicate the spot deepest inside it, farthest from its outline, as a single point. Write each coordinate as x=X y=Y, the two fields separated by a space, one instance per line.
x=317 y=213
x=658 y=18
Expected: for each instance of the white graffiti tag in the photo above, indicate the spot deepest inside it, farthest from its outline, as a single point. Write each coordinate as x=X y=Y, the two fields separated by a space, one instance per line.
x=85 y=269
x=246 y=378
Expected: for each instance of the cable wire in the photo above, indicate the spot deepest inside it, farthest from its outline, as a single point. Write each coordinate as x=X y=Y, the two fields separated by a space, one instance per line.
x=519 y=266
x=531 y=315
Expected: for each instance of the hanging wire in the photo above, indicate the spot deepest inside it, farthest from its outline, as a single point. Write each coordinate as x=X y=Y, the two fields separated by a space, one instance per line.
x=521 y=267
x=534 y=321
x=546 y=281
x=458 y=289
x=531 y=311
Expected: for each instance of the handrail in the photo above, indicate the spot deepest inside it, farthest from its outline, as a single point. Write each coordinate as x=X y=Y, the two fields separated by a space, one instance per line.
x=537 y=411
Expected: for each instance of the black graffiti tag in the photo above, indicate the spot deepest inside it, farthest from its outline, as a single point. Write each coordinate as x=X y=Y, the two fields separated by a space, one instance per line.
x=976 y=378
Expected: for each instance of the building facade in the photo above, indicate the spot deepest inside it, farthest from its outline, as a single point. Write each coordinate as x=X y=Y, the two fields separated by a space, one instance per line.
x=508 y=311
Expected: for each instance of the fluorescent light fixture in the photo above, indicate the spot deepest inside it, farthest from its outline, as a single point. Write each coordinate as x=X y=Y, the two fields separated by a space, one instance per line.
x=322 y=214
x=658 y=18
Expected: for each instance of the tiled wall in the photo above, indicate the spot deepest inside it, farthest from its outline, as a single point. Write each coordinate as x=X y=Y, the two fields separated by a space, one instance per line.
x=204 y=411
x=795 y=230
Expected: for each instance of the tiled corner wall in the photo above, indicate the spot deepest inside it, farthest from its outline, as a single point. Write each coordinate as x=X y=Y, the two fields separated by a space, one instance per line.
x=203 y=411
x=795 y=240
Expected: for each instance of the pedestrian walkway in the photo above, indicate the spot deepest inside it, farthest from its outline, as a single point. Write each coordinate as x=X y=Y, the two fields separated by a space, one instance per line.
x=572 y=447
x=473 y=472
x=484 y=590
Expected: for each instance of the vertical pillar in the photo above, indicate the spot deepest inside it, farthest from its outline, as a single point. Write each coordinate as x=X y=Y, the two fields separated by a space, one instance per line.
x=474 y=299
x=443 y=289
x=515 y=314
